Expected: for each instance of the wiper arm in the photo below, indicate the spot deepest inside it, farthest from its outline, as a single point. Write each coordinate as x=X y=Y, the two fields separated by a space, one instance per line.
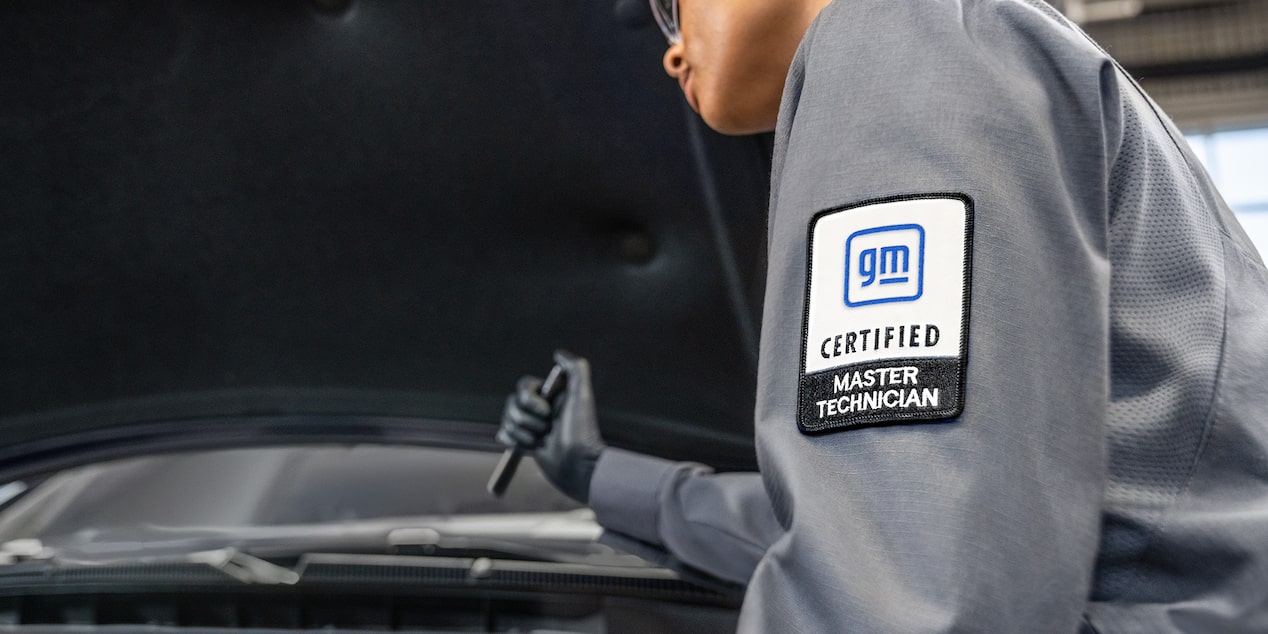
x=245 y=568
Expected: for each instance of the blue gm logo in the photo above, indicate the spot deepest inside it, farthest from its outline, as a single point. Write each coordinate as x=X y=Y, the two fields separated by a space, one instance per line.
x=884 y=264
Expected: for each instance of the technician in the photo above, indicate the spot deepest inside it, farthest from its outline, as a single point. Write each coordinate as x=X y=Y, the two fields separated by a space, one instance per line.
x=1014 y=352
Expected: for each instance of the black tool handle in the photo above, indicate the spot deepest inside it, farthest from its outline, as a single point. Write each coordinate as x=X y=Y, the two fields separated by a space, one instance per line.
x=501 y=478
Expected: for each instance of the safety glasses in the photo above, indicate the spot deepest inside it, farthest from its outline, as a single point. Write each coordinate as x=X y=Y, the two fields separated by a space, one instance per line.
x=666 y=13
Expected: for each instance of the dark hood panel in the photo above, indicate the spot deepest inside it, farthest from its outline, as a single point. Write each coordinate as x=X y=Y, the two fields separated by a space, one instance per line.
x=224 y=208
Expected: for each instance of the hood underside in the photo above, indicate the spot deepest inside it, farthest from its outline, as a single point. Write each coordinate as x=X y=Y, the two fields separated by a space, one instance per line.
x=233 y=211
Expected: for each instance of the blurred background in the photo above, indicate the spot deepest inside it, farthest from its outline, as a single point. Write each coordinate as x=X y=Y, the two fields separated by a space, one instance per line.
x=1206 y=63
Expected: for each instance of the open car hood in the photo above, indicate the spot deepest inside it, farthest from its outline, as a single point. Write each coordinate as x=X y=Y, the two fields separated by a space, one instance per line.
x=243 y=222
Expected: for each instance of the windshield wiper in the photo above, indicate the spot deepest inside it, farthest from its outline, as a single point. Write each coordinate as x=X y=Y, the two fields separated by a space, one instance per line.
x=492 y=551
x=568 y=537
x=245 y=568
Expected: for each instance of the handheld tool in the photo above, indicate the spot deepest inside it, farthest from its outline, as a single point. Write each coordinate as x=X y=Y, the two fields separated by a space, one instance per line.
x=501 y=478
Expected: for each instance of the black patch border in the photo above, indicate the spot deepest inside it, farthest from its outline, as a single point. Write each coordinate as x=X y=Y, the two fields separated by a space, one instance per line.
x=882 y=420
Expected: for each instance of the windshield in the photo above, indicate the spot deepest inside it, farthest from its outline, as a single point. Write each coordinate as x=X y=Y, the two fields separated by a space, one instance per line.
x=345 y=538
x=269 y=487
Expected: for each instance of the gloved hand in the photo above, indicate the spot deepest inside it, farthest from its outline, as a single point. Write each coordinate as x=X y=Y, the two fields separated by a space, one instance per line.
x=562 y=436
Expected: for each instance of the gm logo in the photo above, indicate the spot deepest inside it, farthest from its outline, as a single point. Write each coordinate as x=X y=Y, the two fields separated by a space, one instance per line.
x=884 y=264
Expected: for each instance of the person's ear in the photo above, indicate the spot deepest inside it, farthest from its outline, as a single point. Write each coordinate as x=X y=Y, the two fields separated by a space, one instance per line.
x=674 y=61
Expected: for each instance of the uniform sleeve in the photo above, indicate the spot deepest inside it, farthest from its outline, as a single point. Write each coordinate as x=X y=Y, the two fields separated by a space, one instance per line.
x=987 y=519
x=720 y=524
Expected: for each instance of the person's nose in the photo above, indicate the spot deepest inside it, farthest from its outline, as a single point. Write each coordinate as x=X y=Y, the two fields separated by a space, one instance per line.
x=674 y=61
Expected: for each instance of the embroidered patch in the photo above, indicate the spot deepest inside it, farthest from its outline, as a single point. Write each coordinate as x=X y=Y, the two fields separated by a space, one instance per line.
x=885 y=330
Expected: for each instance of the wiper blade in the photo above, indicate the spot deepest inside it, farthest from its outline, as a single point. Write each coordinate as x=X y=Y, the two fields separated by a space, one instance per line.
x=429 y=542
x=19 y=557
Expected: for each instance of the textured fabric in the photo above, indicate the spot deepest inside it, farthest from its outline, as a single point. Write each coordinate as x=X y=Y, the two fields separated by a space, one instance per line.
x=1185 y=535
x=1110 y=468
x=1166 y=312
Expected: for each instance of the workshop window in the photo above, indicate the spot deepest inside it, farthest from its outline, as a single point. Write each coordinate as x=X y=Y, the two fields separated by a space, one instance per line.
x=1238 y=162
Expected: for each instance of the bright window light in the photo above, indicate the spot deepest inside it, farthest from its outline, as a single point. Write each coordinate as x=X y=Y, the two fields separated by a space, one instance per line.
x=1238 y=163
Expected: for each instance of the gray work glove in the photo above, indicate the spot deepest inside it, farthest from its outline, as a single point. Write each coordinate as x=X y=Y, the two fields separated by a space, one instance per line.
x=562 y=436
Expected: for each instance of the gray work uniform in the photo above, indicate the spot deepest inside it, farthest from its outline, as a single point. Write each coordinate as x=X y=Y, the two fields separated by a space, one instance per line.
x=1109 y=469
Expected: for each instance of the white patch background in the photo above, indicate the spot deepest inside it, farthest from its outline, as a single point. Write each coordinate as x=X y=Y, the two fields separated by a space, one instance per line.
x=941 y=303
